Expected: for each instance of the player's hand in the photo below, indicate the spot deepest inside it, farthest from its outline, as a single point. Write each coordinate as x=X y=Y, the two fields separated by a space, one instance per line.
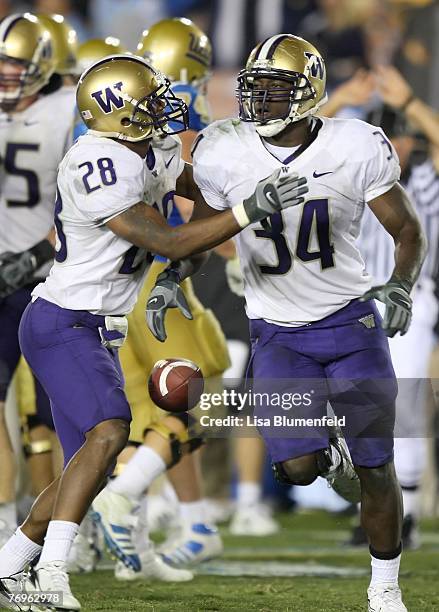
x=16 y=270
x=392 y=86
x=165 y=294
x=398 y=302
x=234 y=276
x=282 y=189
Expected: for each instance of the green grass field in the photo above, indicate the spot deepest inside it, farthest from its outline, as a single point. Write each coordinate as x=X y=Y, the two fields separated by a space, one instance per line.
x=305 y=568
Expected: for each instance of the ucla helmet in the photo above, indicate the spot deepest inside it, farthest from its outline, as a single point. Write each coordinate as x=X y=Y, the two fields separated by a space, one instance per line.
x=124 y=97
x=24 y=43
x=179 y=49
x=95 y=49
x=283 y=70
x=65 y=42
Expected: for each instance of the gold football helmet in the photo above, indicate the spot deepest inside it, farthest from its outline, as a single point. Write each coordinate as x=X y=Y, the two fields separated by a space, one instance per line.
x=286 y=72
x=65 y=42
x=179 y=49
x=26 y=58
x=124 y=97
x=95 y=49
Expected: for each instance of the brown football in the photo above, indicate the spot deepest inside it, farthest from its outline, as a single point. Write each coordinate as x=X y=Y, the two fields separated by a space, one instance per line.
x=175 y=385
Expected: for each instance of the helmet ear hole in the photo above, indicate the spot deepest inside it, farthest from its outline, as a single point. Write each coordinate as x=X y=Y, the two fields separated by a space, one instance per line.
x=125 y=121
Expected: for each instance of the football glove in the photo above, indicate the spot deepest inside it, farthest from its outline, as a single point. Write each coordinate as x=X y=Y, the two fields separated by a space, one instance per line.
x=280 y=190
x=234 y=276
x=396 y=297
x=165 y=294
x=16 y=270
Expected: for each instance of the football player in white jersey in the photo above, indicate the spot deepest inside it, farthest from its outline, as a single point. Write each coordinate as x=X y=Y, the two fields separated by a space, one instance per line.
x=106 y=233
x=308 y=295
x=35 y=130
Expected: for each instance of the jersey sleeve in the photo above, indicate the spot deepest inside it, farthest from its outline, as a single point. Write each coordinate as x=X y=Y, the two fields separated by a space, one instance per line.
x=380 y=169
x=208 y=173
x=107 y=183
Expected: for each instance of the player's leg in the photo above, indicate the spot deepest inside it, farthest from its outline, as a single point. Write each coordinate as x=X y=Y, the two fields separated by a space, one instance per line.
x=299 y=455
x=85 y=385
x=363 y=390
x=122 y=503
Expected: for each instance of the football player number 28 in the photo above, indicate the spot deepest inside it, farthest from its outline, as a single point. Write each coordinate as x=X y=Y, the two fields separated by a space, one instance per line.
x=314 y=224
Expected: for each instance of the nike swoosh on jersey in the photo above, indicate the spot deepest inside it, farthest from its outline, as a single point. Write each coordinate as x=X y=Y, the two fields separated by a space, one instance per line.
x=318 y=174
x=29 y=123
x=168 y=163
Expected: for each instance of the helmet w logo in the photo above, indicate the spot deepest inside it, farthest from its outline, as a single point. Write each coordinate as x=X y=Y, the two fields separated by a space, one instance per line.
x=315 y=65
x=109 y=99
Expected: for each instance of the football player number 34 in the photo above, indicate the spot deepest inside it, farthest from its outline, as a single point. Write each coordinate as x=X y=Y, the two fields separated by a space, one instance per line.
x=315 y=225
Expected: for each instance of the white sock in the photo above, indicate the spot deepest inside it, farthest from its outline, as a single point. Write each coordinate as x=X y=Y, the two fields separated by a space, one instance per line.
x=58 y=541
x=18 y=551
x=248 y=494
x=411 y=501
x=8 y=514
x=139 y=472
x=193 y=513
x=384 y=570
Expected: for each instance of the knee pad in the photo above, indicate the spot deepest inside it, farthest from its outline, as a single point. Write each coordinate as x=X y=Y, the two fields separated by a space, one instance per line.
x=37 y=447
x=176 y=441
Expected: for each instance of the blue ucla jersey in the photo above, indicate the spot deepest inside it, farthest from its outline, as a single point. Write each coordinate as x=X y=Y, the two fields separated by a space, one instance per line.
x=199 y=112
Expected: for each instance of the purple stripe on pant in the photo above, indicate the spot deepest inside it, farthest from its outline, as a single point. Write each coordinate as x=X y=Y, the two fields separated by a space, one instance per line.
x=82 y=378
x=343 y=359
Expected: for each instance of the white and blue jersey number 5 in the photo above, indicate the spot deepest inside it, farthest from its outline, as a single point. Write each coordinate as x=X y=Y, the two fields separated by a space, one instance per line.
x=314 y=227
x=13 y=166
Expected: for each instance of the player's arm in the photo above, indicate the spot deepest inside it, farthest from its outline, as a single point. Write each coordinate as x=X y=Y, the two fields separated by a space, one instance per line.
x=396 y=92
x=395 y=212
x=17 y=269
x=212 y=228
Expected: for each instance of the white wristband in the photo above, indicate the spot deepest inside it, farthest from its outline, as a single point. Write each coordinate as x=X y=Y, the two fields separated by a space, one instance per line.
x=240 y=215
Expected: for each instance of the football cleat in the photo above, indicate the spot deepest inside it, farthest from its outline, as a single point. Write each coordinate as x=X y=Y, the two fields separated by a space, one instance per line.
x=197 y=544
x=253 y=521
x=153 y=568
x=9 y=587
x=52 y=577
x=385 y=598
x=112 y=513
x=343 y=478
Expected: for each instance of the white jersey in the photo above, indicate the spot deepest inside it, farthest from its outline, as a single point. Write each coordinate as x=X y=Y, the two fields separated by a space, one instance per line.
x=32 y=144
x=98 y=179
x=378 y=247
x=306 y=266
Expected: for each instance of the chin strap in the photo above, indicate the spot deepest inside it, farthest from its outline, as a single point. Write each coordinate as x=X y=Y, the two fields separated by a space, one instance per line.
x=276 y=126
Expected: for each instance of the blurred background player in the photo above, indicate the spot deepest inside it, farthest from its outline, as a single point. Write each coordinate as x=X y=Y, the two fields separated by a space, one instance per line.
x=41 y=446
x=182 y=52
x=35 y=132
x=413 y=129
